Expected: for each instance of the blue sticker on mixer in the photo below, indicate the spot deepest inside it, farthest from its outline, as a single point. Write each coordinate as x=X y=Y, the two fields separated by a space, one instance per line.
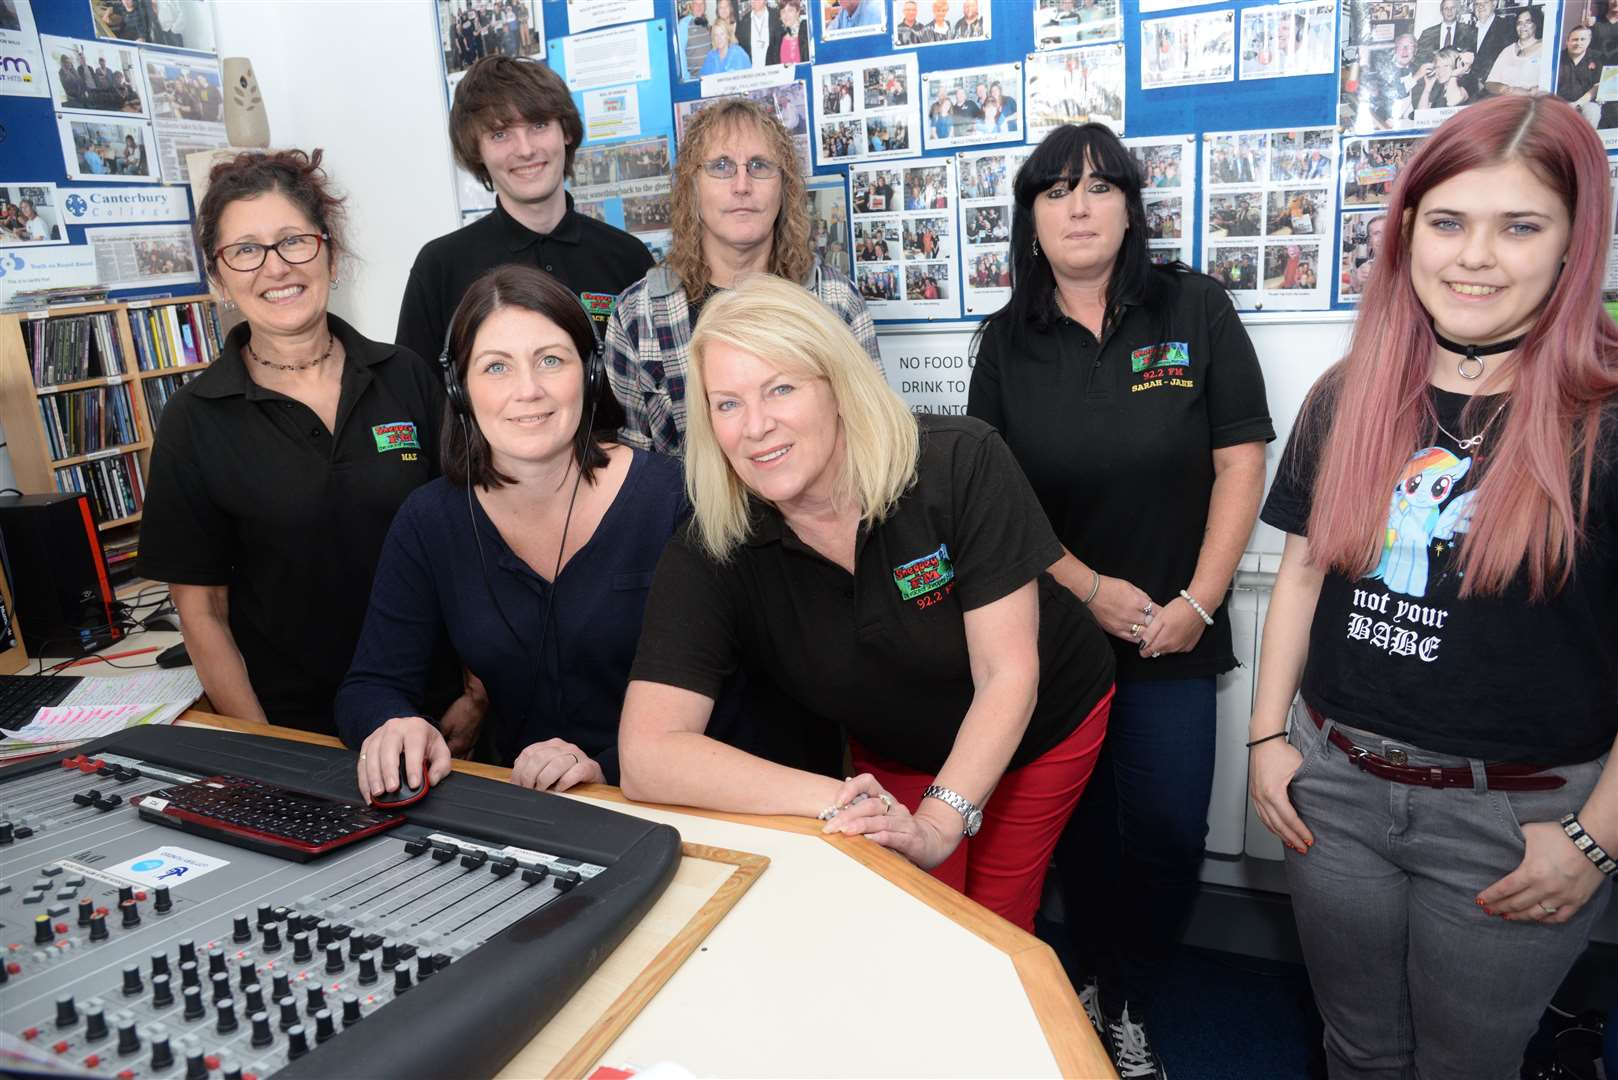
x=169 y=866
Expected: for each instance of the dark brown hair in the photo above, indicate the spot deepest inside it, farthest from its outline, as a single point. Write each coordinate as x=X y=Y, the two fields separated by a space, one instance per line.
x=466 y=454
x=499 y=89
x=293 y=173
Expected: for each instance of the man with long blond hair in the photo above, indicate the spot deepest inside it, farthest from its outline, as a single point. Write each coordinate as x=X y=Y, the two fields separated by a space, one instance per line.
x=739 y=208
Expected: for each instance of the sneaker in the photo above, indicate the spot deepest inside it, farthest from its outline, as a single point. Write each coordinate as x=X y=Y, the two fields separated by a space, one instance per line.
x=1090 y=998
x=1131 y=1051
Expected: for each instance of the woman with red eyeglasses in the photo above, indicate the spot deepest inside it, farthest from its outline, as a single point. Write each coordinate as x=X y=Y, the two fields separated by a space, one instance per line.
x=276 y=472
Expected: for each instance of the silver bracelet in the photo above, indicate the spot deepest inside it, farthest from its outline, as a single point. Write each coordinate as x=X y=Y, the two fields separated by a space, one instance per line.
x=1207 y=619
x=1587 y=844
x=1095 y=587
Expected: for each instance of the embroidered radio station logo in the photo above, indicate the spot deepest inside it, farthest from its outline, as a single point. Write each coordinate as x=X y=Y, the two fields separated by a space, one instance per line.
x=918 y=577
x=1168 y=363
x=598 y=304
x=400 y=435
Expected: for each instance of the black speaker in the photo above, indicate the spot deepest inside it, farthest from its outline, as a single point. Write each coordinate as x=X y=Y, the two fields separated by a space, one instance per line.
x=59 y=573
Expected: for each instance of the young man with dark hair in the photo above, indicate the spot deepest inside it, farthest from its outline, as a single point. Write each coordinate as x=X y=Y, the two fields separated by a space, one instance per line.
x=514 y=126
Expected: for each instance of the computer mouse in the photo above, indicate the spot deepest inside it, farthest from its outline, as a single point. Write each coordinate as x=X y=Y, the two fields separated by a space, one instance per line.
x=405 y=795
x=174 y=656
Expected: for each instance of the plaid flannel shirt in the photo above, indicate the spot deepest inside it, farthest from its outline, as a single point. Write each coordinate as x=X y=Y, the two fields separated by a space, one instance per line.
x=649 y=345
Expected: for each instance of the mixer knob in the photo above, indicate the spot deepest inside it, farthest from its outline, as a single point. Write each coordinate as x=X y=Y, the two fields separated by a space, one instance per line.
x=334 y=957
x=67 y=1013
x=281 y=986
x=324 y=1027
x=300 y=947
x=6 y=831
x=188 y=951
x=272 y=938
x=216 y=961
x=390 y=954
x=230 y=1071
x=95 y=1023
x=44 y=932
x=87 y=908
x=227 y=1016
x=262 y=1035
x=126 y=892
x=193 y=1003
x=266 y=915
x=351 y=1010
x=162 y=1053
x=297 y=1042
x=131 y=912
x=221 y=986
x=98 y=927
x=323 y=933
x=424 y=967
x=242 y=930
x=162 y=991
x=161 y=900
x=367 y=962
x=255 y=998
x=289 y=1011
x=189 y=975
x=132 y=981
x=196 y=1066
x=160 y=963
x=128 y=1038
x=249 y=973
x=316 y=1000
x=401 y=977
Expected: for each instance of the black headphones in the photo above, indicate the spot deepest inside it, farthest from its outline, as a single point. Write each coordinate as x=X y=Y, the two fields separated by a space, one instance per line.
x=595 y=375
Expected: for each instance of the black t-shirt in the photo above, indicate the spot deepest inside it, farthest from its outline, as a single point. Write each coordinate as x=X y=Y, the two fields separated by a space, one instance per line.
x=590 y=257
x=1117 y=440
x=1400 y=653
x=884 y=651
x=249 y=490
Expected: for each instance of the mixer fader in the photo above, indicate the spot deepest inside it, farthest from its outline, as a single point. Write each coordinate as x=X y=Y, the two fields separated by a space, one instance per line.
x=135 y=950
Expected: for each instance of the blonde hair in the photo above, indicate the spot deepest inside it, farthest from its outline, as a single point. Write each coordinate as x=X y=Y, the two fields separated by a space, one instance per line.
x=791 y=256
x=787 y=327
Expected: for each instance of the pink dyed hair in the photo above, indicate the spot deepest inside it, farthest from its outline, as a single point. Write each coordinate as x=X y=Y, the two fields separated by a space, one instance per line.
x=1525 y=514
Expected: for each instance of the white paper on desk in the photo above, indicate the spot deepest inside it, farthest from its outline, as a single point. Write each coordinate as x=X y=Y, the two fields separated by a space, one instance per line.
x=75 y=723
x=178 y=686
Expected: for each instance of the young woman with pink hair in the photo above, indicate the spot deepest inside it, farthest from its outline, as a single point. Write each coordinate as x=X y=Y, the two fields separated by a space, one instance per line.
x=1445 y=603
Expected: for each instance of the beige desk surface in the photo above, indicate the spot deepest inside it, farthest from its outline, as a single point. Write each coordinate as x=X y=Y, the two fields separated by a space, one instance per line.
x=842 y=960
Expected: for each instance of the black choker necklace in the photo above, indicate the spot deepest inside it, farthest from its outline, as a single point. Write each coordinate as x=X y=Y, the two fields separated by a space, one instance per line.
x=1471 y=363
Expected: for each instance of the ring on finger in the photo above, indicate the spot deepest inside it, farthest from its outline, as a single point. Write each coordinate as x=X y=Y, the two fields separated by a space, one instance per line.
x=1134 y=629
x=1156 y=654
x=1546 y=908
x=1147 y=609
x=887 y=801
x=362 y=755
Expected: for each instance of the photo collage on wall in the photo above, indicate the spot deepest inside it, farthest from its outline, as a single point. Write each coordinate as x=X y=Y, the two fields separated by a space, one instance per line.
x=1268 y=208
x=626 y=185
x=985 y=178
x=971 y=106
x=904 y=248
x=1073 y=86
x=867 y=109
x=1168 y=165
x=1368 y=169
x=788 y=103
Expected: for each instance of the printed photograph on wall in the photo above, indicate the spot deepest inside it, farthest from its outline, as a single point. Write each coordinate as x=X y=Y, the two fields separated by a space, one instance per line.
x=1283 y=40
x=1073 y=86
x=94 y=76
x=1361 y=238
x=1059 y=24
x=106 y=149
x=22 y=65
x=469 y=30
x=1184 y=50
x=1587 y=64
x=173 y=24
x=30 y=216
x=939 y=22
x=1370 y=166
x=969 y=106
x=851 y=18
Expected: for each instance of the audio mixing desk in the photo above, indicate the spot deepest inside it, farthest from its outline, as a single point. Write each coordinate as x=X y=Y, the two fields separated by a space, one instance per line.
x=437 y=947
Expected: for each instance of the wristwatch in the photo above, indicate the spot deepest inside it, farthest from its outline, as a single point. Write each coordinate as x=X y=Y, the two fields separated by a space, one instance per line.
x=969 y=813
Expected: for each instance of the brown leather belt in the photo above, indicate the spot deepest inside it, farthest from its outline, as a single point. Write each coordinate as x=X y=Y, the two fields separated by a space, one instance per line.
x=1501 y=776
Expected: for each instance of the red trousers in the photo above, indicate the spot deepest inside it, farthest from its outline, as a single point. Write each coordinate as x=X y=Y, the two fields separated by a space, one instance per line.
x=1003 y=866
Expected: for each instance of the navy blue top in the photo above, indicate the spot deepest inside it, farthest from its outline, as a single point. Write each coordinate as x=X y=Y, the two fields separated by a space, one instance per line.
x=430 y=577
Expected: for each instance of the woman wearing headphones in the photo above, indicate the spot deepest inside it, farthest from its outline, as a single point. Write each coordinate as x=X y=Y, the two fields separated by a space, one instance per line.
x=534 y=552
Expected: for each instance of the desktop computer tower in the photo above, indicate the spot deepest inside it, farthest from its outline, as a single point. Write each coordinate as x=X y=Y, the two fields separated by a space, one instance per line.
x=58 y=574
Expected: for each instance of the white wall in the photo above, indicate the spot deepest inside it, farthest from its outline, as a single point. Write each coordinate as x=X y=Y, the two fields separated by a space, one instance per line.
x=363 y=80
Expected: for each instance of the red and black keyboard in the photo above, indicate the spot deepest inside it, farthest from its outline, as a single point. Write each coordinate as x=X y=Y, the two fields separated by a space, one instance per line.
x=263 y=817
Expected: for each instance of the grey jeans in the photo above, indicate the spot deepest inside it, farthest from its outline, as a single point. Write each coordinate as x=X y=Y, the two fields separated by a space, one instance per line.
x=1412 y=978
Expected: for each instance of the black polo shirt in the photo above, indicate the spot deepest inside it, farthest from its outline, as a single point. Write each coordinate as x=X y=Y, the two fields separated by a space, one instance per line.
x=591 y=258
x=249 y=490
x=884 y=650
x=1117 y=440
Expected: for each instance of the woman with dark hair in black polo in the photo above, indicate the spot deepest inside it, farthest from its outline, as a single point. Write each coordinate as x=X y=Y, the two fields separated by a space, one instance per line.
x=534 y=552
x=1132 y=398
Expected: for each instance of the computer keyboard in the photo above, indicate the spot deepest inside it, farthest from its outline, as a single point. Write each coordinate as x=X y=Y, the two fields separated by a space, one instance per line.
x=21 y=696
x=263 y=817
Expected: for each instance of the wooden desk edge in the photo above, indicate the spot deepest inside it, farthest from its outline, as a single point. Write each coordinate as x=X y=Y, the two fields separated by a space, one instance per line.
x=1067 y=1031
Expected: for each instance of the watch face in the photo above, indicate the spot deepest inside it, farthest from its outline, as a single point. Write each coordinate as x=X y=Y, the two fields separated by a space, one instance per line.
x=974 y=822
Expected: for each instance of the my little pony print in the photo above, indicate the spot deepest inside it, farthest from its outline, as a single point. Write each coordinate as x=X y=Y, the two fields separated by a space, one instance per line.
x=1417 y=516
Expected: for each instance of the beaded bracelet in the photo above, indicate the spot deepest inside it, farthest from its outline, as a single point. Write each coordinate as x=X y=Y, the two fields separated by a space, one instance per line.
x=1207 y=619
x=1587 y=844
